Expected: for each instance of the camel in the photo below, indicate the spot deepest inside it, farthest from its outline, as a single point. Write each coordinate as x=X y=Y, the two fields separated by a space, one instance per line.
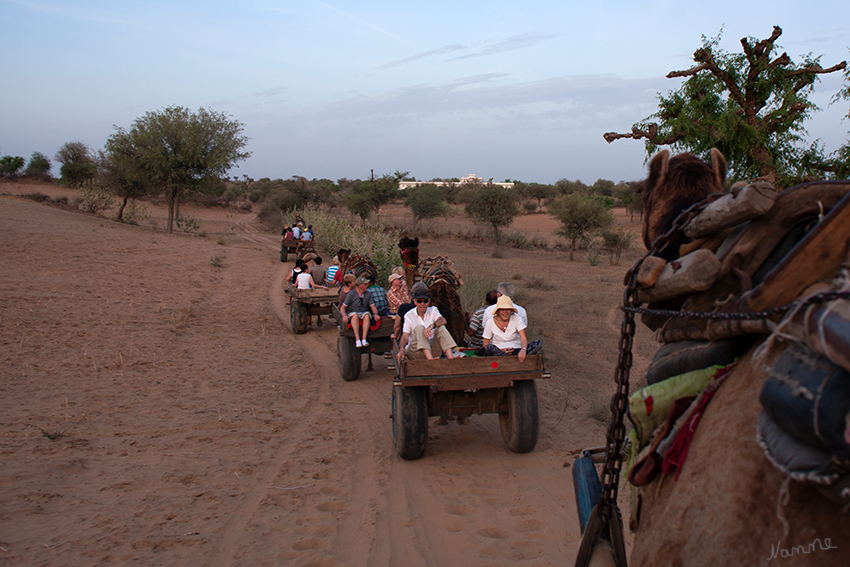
x=409 y=248
x=730 y=505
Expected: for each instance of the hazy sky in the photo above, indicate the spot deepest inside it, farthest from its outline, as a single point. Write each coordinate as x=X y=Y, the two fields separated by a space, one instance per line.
x=519 y=90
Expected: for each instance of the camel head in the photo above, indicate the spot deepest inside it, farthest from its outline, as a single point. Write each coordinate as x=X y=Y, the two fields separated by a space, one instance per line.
x=674 y=184
x=409 y=252
x=343 y=255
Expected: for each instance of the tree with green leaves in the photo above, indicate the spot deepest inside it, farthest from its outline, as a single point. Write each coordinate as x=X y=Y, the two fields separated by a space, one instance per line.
x=495 y=206
x=78 y=165
x=120 y=170
x=579 y=216
x=179 y=151
x=426 y=201
x=367 y=197
x=538 y=191
x=567 y=187
x=750 y=105
x=38 y=166
x=11 y=165
x=838 y=163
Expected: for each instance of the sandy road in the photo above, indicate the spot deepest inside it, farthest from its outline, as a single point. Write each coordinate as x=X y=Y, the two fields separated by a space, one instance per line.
x=469 y=501
x=198 y=429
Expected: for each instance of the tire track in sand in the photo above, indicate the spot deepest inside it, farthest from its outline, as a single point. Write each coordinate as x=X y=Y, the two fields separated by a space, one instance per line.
x=236 y=525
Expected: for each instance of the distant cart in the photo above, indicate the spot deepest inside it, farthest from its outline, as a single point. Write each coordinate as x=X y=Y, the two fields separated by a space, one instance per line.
x=350 y=357
x=463 y=387
x=307 y=303
x=298 y=248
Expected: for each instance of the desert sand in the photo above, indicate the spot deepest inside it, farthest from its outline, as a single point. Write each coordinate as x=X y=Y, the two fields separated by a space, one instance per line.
x=158 y=410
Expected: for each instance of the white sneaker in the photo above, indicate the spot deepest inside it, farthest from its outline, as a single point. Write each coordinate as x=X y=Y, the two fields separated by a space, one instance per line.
x=364 y=343
x=359 y=343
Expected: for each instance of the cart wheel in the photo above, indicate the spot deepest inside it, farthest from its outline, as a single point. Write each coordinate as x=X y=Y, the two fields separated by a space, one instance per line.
x=410 y=421
x=519 y=420
x=298 y=317
x=283 y=253
x=349 y=359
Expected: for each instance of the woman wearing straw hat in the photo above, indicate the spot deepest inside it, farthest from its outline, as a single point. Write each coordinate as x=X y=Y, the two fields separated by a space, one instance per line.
x=504 y=334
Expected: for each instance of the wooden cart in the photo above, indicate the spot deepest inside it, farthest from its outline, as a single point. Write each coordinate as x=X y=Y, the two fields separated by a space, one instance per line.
x=309 y=302
x=463 y=387
x=298 y=248
x=380 y=342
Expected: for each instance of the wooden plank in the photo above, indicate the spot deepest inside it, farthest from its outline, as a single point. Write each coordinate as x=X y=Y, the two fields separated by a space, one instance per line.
x=470 y=366
x=317 y=295
x=480 y=382
x=817 y=256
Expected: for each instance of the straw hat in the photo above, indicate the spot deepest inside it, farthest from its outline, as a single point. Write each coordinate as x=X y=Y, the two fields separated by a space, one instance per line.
x=505 y=302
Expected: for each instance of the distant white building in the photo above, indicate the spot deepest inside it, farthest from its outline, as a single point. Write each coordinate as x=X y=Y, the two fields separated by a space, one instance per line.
x=471 y=178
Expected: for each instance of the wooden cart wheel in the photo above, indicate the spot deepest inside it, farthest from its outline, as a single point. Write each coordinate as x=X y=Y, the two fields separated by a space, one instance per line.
x=298 y=317
x=349 y=359
x=518 y=418
x=410 y=421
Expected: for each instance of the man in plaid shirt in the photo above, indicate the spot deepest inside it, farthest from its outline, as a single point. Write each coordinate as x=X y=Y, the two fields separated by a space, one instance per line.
x=379 y=295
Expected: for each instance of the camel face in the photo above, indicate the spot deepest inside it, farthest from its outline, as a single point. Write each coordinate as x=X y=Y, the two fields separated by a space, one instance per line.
x=673 y=185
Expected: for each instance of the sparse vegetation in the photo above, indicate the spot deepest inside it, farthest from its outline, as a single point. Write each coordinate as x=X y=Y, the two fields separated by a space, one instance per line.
x=494 y=206
x=579 y=217
x=187 y=223
x=600 y=407
x=615 y=241
x=95 y=199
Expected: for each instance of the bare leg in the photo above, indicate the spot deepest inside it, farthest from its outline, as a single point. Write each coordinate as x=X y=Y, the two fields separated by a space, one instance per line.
x=355 y=326
x=366 y=320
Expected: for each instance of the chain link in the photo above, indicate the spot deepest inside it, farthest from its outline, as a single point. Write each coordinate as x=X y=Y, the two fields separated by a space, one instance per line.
x=822 y=297
x=616 y=434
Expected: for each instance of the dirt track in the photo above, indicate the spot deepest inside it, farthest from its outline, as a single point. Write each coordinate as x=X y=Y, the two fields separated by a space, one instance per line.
x=197 y=429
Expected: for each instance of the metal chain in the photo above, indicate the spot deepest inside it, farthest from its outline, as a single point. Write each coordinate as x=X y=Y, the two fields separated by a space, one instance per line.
x=822 y=297
x=617 y=429
x=606 y=514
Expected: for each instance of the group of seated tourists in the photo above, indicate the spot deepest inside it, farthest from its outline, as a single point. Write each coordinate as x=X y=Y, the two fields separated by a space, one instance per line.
x=297 y=232
x=497 y=329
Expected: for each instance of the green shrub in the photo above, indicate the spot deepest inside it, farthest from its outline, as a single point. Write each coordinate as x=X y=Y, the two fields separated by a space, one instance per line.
x=614 y=242
x=374 y=240
x=94 y=198
x=475 y=286
x=11 y=165
x=593 y=253
x=38 y=167
x=187 y=223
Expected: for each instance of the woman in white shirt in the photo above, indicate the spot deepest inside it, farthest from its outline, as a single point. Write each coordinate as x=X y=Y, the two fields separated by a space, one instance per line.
x=504 y=333
x=305 y=281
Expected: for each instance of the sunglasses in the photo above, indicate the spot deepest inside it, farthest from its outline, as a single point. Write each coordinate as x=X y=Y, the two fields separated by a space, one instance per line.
x=422 y=300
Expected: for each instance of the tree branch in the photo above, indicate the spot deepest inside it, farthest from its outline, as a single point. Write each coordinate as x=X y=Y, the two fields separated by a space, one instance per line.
x=688 y=72
x=651 y=134
x=818 y=70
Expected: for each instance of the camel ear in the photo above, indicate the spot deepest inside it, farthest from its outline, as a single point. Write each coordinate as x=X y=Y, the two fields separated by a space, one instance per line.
x=416 y=242
x=718 y=164
x=658 y=168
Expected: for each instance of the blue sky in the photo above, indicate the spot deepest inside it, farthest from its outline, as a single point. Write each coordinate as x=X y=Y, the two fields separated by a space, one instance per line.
x=325 y=88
